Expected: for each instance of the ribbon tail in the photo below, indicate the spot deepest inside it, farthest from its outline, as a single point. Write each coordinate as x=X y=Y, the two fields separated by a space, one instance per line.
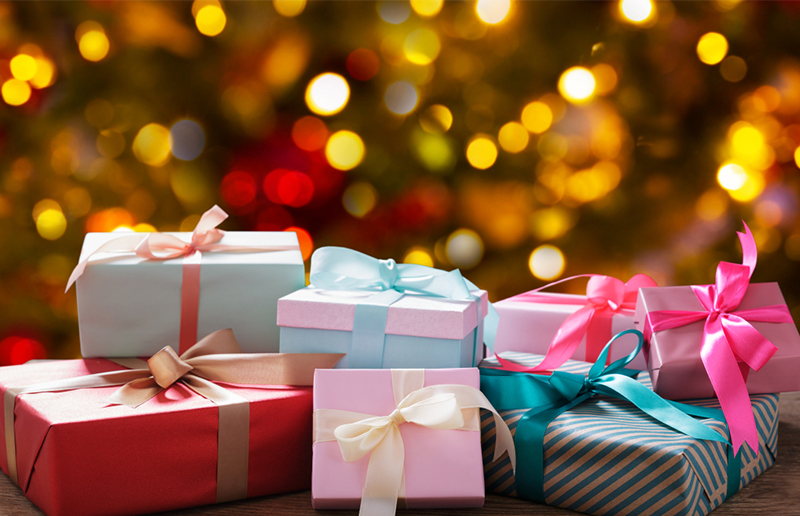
x=134 y=393
x=567 y=339
x=384 y=476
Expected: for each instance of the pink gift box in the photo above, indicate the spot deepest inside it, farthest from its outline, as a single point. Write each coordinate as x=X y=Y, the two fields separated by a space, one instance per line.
x=529 y=327
x=442 y=469
x=673 y=355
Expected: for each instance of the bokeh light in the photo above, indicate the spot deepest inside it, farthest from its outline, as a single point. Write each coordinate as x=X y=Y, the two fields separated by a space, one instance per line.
x=211 y=20
x=435 y=151
x=151 y=145
x=238 y=188
x=401 y=97
x=712 y=48
x=481 y=152
x=493 y=11
x=419 y=256
x=23 y=67
x=359 y=199
x=422 y=46
x=362 y=64
x=306 y=243
x=186 y=140
x=51 y=224
x=16 y=350
x=327 y=94
x=464 y=248
x=637 y=11
x=45 y=73
x=537 y=117
x=605 y=77
x=289 y=8
x=16 y=92
x=393 y=12
x=577 y=85
x=109 y=219
x=427 y=8
x=711 y=205
x=547 y=262
x=733 y=68
x=513 y=137
x=190 y=185
x=345 y=150
x=289 y=187
x=93 y=43
x=797 y=157
x=731 y=176
x=309 y=133
x=436 y=119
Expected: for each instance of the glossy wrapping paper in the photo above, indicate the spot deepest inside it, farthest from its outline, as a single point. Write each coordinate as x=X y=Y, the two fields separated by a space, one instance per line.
x=442 y=468
x=79 y=456
x=673 y=355
x=605 y=457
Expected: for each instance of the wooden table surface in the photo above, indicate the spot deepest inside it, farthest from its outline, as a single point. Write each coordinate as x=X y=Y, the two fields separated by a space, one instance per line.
x=776 y=492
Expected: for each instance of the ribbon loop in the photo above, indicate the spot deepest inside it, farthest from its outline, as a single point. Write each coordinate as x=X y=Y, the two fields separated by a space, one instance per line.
x=167 y=367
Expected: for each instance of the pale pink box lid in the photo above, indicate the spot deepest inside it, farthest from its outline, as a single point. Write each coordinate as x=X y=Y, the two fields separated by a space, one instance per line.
x=414 y=315
x=443 y=468
x=674 y=355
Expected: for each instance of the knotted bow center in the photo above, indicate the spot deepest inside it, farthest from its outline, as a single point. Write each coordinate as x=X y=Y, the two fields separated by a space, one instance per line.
x=397 y=417
x=606 y=292
x=167 y=367
x=389 y=273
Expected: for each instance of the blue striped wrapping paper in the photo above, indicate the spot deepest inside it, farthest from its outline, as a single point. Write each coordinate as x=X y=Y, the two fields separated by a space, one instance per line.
x=606 y=457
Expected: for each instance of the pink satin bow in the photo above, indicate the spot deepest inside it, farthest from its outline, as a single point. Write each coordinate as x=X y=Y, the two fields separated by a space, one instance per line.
x=160 y=246
x=605 y=296
x=730 y=344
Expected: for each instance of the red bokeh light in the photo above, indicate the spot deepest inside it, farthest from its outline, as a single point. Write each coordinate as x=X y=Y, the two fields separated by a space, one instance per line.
x=309 y=133
x=16 y=350
x=288 y=187
x=238 y=188
x=362 y=64
x=306 y=244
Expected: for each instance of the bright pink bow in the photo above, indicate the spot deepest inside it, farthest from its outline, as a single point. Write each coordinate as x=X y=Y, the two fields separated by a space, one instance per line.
x=730 y=344
x=605 y=296
x=160 y=246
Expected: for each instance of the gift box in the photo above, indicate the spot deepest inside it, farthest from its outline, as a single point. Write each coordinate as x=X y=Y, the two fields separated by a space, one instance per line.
x=534 y=321
x=74 y=453
x=384 y=315
x=363 y=449
x=132 y=305
x=604 y=456
x=421 y=331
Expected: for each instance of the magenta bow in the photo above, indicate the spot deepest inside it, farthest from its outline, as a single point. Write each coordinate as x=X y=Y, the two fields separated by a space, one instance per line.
x=730 y=344
x=605 y=296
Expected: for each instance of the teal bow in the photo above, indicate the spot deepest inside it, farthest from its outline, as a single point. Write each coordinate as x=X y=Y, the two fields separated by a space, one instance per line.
x=551 y=396
x=338 y=268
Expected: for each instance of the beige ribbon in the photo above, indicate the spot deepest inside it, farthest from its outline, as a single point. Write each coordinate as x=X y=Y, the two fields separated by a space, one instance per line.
x=445 y=407
x=216 y=358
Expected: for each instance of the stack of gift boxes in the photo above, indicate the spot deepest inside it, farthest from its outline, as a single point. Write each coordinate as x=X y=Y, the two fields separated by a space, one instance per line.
x=212 y=373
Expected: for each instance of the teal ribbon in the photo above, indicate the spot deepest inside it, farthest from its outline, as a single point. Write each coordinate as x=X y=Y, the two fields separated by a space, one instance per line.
x=551 y=396
x=338 y=268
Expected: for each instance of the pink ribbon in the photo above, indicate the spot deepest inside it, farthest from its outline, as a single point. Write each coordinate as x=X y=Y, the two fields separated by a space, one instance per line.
x=160 y=246
x=730 y=344
x=605 y=296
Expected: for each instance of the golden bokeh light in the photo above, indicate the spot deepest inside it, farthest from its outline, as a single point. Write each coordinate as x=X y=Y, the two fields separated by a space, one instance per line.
x=93 y=43
x=797 y=157
x=199 y=4
x=749 y=147
x=464 y=248
x=44 y=205
x=144 y=227
x=16 y=92
x=637 y=11
x=289 y=8
x=537 y=117
x=427 y=8
x=753 y=185
x=513 y=137
x=481 y=152
x=435 y=151
x=151 y=145
x=712 y=48
x=493 y=11
x=731 y=176
x=45 y=73
x=327 y=94
x=550 y=223
x=286 y=61
x=577 y=85
x=712 y=205
x=359 y=199
x=77 y=201
x=606 y=78
x=733 y=68
x=419 y=256
x=401 y=97
x=436 y=119
x=421 y=46
x=547 y=262
x=345 y=150
x=51 y=224
x=23 y=67
x=766 y=99
x=210 y=20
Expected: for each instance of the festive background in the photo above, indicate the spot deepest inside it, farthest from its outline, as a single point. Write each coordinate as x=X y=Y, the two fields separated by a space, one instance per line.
x=519 y=141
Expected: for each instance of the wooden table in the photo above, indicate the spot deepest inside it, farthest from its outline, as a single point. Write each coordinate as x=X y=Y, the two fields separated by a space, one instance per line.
x=776 y=492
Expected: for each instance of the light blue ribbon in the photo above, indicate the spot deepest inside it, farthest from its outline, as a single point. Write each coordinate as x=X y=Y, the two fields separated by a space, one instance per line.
x=338 y=268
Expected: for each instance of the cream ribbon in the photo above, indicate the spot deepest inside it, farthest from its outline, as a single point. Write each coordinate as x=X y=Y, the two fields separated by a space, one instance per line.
x=216 y=358
x=443 y=407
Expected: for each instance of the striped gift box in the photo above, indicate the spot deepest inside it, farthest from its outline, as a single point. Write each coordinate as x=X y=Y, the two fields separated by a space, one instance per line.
x=606 y=457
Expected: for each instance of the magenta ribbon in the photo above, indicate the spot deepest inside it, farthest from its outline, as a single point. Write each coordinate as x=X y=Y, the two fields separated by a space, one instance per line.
x=160 y=246
x=605 y=296
x=730 y=344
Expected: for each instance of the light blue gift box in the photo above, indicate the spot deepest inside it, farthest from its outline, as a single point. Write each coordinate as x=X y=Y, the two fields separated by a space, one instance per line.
x=420 y=331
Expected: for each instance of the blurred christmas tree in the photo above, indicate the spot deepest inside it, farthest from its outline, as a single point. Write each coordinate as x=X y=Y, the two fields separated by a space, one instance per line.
x=519 y=141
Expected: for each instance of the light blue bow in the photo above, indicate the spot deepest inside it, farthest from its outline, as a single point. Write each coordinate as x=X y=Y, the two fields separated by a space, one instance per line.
x=338 y=268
